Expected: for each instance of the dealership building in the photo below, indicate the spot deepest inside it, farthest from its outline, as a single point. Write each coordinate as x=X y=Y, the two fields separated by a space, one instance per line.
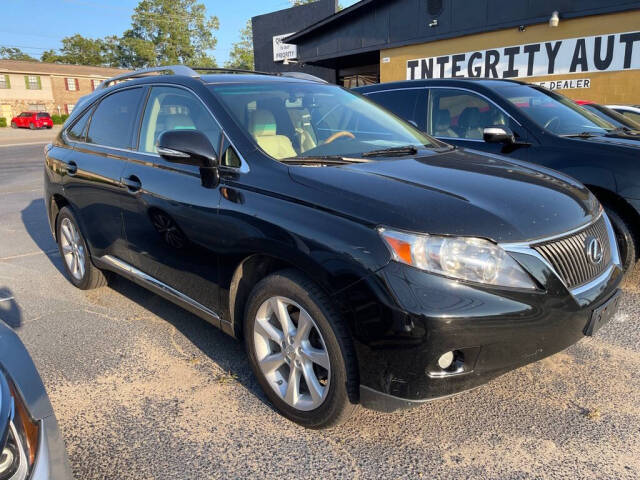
x=589 y=49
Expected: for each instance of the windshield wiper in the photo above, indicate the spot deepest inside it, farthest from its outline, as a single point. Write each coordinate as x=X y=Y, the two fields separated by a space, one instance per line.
x=581 y=135
x=388 y=152
x=622 y=130
x=323 y=159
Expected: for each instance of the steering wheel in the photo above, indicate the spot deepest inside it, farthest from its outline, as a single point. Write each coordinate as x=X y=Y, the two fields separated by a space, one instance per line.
x=550 y=121
x=342 y=133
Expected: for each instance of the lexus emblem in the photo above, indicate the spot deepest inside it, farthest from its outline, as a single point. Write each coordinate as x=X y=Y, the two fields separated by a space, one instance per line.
x=594 y=250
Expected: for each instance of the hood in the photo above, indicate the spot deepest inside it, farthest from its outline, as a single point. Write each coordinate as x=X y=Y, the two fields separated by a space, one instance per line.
x=16 y=362
x=461 y=192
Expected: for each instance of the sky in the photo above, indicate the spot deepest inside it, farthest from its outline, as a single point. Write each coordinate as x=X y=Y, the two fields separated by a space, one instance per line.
x=38 y=25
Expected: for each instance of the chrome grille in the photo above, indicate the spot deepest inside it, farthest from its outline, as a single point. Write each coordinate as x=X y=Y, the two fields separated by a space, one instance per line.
x=569 y=257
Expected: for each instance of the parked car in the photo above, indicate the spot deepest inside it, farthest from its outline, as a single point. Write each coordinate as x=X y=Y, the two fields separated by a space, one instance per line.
x=360 y=260
x=605 y=113
x=31 y=446
x=32 y=120
x=531 y=123
x=631 y=111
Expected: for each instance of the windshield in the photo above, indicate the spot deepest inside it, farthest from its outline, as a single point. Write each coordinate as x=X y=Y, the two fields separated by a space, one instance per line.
x=299 y=120
x=553 y=112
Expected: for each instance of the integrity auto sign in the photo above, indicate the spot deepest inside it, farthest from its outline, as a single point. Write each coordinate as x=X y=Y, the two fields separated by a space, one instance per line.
x=620 y=51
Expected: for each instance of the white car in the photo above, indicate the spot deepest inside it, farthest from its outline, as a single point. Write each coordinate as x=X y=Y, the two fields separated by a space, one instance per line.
x=631 y=111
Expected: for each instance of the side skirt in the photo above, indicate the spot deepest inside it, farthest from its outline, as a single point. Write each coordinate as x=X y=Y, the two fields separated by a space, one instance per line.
x=129 y=271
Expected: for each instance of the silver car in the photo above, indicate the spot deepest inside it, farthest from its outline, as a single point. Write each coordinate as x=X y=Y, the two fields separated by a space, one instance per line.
x=31 y=446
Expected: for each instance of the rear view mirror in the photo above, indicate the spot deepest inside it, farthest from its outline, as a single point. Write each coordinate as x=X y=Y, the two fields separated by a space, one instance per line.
x=498 y=134
x=188 y=147
x=191 y=147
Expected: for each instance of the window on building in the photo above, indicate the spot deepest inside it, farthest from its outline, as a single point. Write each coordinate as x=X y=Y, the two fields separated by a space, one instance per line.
x=409 y=104
x=71 y=84
x=37 y=107
x=461 y=114
x=95 y=84
x=171 y=108
x=33 y=82
x=113 y=121
x=4 y=81
x=69 y=108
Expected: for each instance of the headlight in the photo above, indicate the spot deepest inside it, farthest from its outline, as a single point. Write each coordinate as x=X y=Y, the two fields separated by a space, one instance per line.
x=18 y=450
x=464 y=258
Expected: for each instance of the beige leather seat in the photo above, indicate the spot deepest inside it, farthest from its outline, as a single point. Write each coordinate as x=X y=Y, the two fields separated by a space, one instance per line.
x=264 y=130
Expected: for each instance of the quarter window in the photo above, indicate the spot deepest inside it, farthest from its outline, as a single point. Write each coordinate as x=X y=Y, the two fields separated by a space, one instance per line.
x=32 y=82
x=461 y=114
x=171 y=108
x=114 y=120
x=77 y=132
x=409 y=104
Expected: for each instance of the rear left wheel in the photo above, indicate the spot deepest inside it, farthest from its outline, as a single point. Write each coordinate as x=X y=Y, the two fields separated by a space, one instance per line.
x=77 y=262
x=32 y=126
x=300 y=351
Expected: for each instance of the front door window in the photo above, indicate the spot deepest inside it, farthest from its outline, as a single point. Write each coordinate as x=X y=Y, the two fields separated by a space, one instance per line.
x=461 y=114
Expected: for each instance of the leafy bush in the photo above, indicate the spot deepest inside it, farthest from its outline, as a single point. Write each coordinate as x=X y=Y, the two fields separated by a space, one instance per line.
x=56 y=119
x=64 y=117
x=3 y=122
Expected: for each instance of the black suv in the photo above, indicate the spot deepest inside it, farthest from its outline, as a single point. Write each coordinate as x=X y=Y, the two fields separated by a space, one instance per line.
x=360 y=260
x=530 y=123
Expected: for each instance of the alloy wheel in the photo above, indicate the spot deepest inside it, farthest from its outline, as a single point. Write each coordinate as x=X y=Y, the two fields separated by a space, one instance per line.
x=72 y=248
x=291 y=353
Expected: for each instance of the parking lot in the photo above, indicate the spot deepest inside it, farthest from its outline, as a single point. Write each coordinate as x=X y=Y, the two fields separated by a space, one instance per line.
x=143 y=389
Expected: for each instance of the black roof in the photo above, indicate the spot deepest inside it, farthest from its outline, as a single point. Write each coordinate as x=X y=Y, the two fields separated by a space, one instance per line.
x=485 y=82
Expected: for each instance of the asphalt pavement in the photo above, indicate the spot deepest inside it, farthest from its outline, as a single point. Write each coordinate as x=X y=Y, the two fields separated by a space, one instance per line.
x=145 y=390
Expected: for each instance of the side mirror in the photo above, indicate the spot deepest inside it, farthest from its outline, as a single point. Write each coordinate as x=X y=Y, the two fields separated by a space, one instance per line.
x=191 y=147
x=498 y=134
x=188 y=147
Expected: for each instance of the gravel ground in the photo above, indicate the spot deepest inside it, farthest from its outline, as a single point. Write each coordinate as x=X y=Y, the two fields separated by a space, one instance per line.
x=144 y=390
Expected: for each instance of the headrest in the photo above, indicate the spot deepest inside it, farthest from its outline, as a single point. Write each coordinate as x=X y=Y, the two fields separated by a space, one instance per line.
x=263 y=124
x=179 y=122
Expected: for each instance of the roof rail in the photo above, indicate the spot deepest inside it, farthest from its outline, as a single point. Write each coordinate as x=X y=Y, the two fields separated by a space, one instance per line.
x=229 y=70
x=172 y=69
x=302 y=76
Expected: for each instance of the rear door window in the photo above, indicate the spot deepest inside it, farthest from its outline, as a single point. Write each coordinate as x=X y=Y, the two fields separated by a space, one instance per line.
x=408 y=104
x=115 y=119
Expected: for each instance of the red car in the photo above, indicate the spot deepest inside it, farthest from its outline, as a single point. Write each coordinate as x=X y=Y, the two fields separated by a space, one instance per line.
x=32 y=120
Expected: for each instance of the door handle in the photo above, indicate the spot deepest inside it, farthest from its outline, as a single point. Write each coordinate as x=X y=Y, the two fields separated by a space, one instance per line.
x=132 y=183
x=71 y=167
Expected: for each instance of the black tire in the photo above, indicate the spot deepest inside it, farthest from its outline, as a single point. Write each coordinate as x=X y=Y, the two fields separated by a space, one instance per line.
x=32 y=126
x=341 y=398
x=14 y=125
x=93 y=277
x=49 y=127
x=625 y=237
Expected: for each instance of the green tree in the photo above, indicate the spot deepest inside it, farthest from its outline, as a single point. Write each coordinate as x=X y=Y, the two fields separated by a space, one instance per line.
x=165 y=32
x=14 y=53
x=79 y=50
x=241 y=55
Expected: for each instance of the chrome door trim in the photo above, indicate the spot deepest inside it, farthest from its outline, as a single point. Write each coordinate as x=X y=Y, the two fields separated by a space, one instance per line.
x=161 y=288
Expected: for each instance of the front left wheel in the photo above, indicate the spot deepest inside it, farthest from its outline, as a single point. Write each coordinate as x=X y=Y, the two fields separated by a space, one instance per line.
x=77 y=262
x=300 y=350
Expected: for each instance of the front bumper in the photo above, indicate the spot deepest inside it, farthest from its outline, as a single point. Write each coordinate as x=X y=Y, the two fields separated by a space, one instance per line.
x=491 y=330
x=51 y=460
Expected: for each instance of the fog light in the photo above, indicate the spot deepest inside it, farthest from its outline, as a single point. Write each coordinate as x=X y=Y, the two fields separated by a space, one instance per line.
x=445 y=360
